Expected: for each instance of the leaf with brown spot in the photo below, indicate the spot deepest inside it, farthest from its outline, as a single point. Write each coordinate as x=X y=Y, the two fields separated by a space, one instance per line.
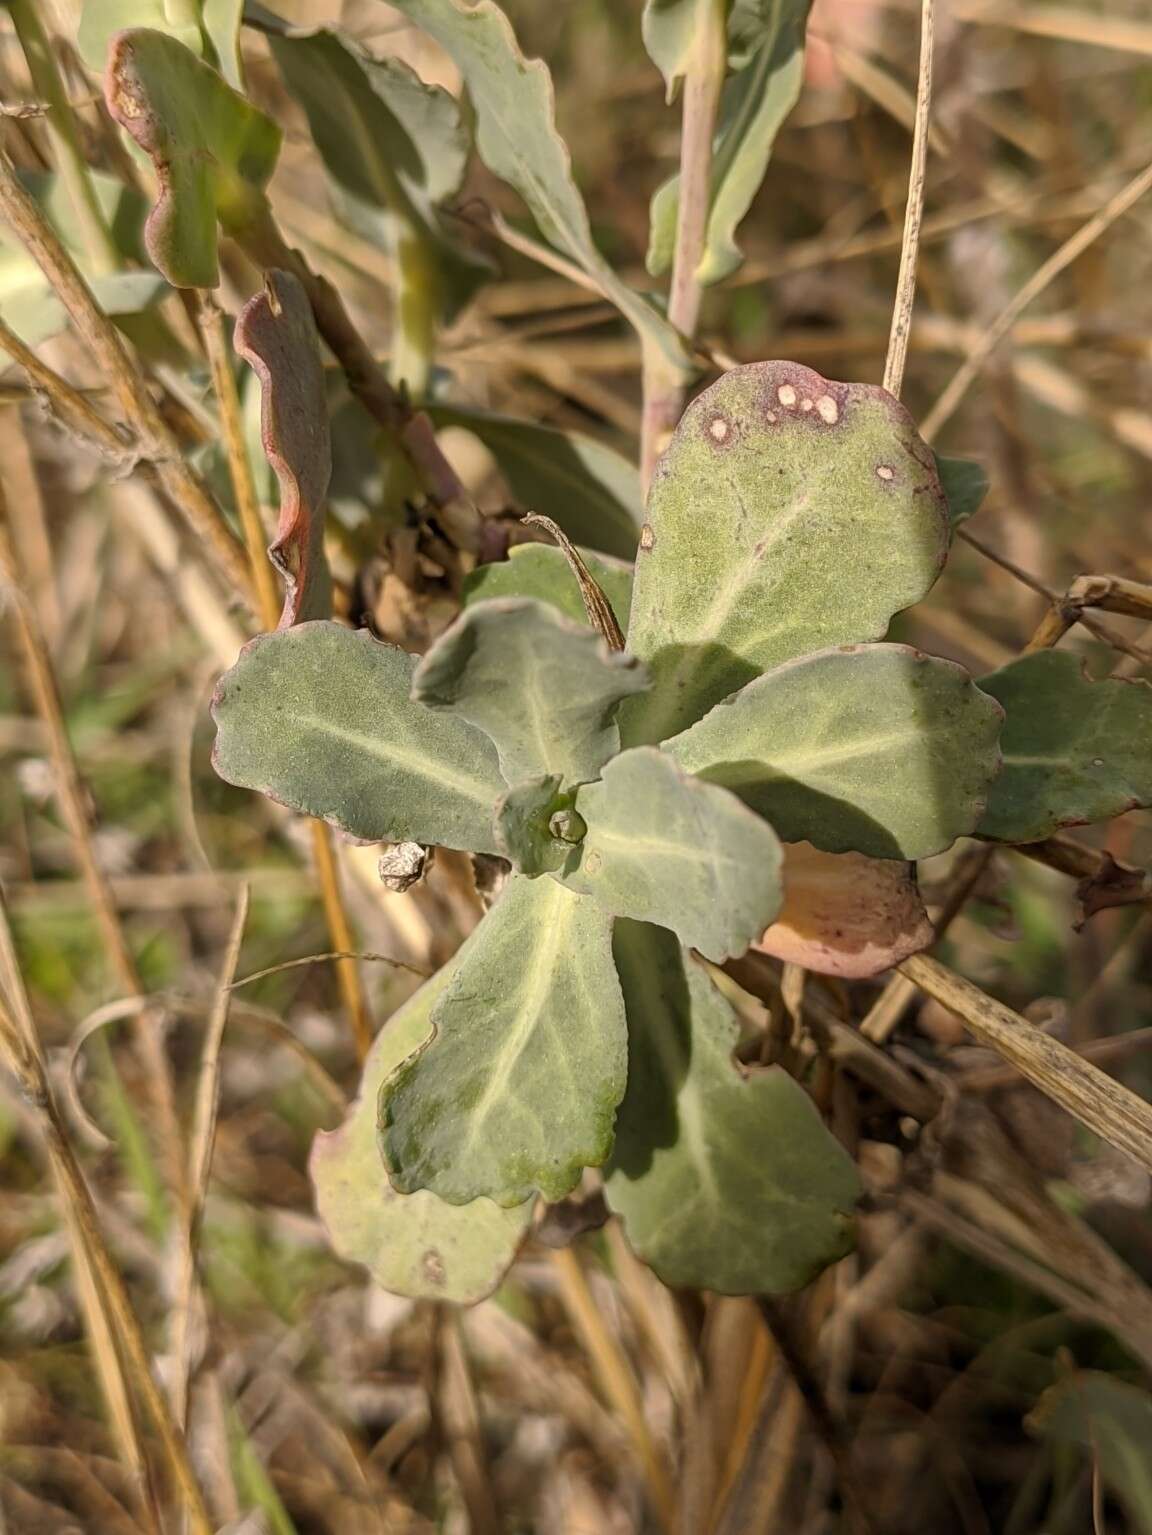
x=276 y=335
x=845 y=914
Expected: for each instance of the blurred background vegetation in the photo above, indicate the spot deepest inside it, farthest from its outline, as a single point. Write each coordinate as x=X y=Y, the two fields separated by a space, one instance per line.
x=981 y=1364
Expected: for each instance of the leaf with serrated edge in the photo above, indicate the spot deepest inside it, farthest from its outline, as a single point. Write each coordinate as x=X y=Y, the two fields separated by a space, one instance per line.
x=320 y=718
x=517 y=139
x=517 y=1090
x=546 y=690
x=874 y=749
x=592 y=491
x=1075 y=751
x=666 y=848
x=411 y=1244
x=724 y=1181
x=754 y=103
x=541 y=571
x=276 y=335
x=845 y=914
x=788 y=514
x=212 y=150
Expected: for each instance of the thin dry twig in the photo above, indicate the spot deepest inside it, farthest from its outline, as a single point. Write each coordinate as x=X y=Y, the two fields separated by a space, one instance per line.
x=914 y=212
x=154 y=438
x=616 y=1378
x=26 y=1066
x=200 y=1166
x=1046 y=273
x=122 y=1412
x=1107 y=1108
x=71 y=797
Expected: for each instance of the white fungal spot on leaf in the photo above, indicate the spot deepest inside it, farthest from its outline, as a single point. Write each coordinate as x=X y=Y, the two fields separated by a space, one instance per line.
x=885 y=472
x=647 y=537
x=718 y=428
x=786 y=394
x=827 y=409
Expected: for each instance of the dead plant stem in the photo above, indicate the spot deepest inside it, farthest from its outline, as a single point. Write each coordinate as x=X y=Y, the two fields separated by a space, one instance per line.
x=914 y=212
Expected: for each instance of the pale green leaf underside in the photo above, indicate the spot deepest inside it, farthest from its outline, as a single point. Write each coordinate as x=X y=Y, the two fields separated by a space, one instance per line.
x=668 y=27
x=541 y=571
x=517 y=139
x=412 y=1244
x=724 y=1182
x=788 y=514
x=753 y=106
x=210 y=28
x=544 y=689
x=873 y=748
x=1075 y=751
x=394 y=149
x=585 y=486
x=666 y=848
x=517 y=1091
x=320 y=718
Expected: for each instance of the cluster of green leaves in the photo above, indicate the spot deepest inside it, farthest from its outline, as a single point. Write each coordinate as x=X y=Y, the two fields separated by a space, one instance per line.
x=639 y=798
x=755 y=767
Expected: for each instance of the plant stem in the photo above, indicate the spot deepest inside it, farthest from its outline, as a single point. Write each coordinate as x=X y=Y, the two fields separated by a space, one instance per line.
x=265 y=245
x=67 y=160
x=913 y=213
x=155 y=439
x=239 y=467
x=663 y=387
x=1110 y=1110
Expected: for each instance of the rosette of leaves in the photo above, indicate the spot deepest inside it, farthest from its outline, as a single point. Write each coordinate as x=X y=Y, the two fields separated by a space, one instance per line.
x=644 y=799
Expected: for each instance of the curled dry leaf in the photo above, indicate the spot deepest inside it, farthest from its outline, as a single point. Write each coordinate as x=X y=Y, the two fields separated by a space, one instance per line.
x=845 y=914
x=276 y=335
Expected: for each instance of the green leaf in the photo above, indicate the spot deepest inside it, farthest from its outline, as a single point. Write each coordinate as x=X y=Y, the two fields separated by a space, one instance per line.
x=592 y=491
x=724 y=1181
x=529 y=820
x=668 y=27
x=542 y=572
x=845 y=914
x=662 y=847
x=320 y=718
x=30 y=306
x=754 y=103
x=212 y=150
x=546 y=690
x=965 y=485
x=276 y=335
x=211 y=28
x=517 y=139
x=1075 y=750
x=412 y=1244
x=1112 y=1421
x=788 y=514
x=28 y=301
x=517 y=1090
x=876 y=749
x=395 y=149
